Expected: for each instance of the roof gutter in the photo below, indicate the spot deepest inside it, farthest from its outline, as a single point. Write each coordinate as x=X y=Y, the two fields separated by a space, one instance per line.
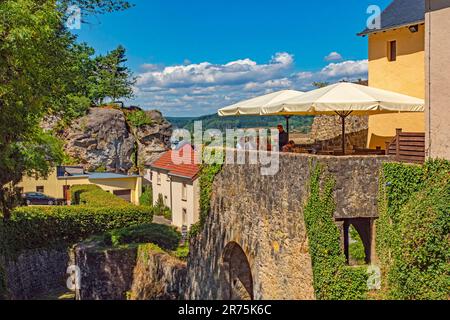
x=184 y=177
x=368 y=32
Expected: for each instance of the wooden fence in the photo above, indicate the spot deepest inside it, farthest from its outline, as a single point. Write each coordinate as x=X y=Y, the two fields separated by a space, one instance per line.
x=407 y=147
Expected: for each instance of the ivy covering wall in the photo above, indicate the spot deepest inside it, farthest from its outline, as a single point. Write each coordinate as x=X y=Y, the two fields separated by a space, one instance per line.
x=206 y=179
x=413 y=230
x=332 y=278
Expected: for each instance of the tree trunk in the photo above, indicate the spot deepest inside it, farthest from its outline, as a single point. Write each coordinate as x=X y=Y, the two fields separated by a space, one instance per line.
x=4 y=204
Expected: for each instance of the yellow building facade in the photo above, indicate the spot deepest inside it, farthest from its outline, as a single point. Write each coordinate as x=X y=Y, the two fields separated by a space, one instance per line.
x=405 y=74
x=59 y=181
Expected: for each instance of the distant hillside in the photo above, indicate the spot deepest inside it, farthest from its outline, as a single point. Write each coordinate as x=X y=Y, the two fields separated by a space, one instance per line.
x=300 y=124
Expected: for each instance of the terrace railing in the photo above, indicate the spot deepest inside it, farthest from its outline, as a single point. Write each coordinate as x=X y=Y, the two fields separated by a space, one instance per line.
x=407 y=147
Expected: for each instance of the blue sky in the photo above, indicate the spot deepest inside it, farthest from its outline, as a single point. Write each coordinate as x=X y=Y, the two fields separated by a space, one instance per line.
x=193 y=57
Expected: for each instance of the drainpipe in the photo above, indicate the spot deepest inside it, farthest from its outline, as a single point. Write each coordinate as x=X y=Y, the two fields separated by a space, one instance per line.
x=171 y=198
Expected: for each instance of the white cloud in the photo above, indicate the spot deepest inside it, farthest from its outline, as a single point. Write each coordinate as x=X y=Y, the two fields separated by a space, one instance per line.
x=195 y=89
x=206 y=74
x=333 y=56
x=346 y=69
x=149 y=67
x=304 y=75
x=273 y=85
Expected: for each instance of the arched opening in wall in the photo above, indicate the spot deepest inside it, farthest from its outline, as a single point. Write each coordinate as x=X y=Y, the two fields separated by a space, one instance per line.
x=237 y=280
x=358 y=240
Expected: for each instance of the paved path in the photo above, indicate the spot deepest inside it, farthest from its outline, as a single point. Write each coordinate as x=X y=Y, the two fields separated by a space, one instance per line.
x=161 y=220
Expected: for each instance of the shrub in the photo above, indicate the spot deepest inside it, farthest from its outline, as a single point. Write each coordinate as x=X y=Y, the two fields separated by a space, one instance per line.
x=412 y=232
x=93 y=195
x=138 y=118
x=164 y=236
x=146 y=198
x=161 y=209
x=101 y=169
x=39 y=227
x=181 y=253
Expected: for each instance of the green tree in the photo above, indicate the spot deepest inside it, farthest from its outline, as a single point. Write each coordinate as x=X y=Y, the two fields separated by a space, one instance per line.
x=93 y=7
x=113 y=79
x=30 y=47
x=319 y=84
x=36 y=52
x=76 y=81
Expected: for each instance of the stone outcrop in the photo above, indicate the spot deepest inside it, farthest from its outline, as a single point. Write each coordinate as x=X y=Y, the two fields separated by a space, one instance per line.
x=157 y=276
x=153 y=139
x=135 y=273
x=50 y=122
x=103 y=138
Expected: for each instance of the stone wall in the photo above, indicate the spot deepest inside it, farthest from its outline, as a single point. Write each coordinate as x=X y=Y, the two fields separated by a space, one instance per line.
x=264 y=216
x=134 y=272
x=35 y=273
x=327 y=130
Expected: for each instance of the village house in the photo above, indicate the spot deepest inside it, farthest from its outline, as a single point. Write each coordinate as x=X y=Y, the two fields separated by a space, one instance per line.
x=437 y=21
x=59 y=181
x=177 y=185
x=397 y=63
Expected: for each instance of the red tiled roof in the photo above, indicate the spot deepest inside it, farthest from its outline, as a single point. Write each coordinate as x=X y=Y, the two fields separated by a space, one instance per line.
x=188 y=168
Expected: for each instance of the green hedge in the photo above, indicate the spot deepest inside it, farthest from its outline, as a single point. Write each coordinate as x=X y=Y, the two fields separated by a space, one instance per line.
x=164 y=236
x=39 y=227
x=93 y=195
x=332 y=278
x=412 y=232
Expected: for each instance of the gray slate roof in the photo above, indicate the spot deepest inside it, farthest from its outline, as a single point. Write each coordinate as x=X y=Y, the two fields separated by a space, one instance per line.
x=400 y=13
x=107 y=175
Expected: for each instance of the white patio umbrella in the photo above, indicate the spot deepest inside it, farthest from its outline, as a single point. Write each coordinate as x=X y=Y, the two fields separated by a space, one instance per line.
x=345 y=99
x=254 y=106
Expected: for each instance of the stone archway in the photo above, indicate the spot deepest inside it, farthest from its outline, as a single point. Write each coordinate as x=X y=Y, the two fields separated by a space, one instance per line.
x=237 y=280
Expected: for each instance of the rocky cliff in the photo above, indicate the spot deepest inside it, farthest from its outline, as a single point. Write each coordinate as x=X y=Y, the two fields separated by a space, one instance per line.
x=153 y=139
x=104 y=139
